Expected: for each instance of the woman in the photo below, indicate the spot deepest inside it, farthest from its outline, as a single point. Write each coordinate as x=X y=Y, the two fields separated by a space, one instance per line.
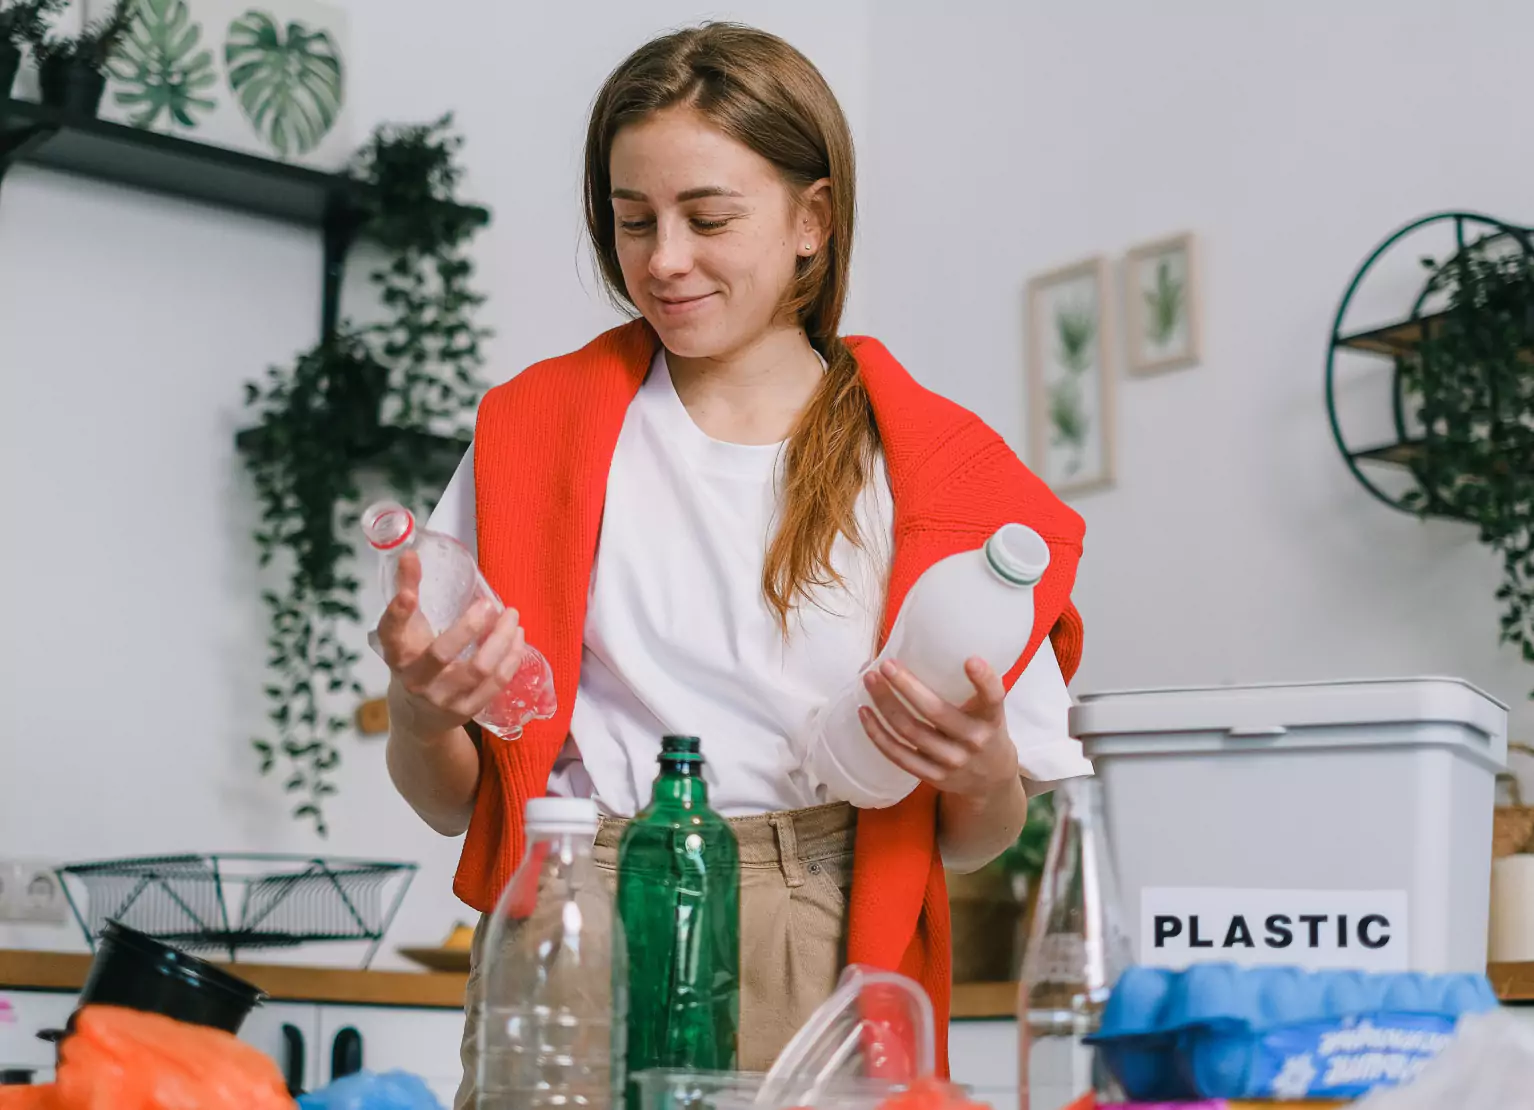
x=707 y=519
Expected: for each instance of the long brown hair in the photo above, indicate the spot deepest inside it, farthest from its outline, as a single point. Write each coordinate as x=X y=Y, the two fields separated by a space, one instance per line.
x=760 y=91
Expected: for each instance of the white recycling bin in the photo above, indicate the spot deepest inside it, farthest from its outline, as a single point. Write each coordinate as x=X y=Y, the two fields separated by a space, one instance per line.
x=1322 y=825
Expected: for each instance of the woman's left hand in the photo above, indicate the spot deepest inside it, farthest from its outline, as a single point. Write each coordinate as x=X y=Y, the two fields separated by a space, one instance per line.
x=965 y=749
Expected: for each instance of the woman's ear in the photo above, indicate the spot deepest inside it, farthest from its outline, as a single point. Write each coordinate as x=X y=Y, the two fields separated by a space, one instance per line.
x=814 y=223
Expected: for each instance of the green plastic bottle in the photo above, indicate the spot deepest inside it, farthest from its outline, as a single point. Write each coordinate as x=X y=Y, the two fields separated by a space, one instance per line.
x=679 y=901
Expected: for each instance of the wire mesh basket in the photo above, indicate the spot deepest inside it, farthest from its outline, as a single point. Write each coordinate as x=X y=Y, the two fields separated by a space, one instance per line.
x=240 y=901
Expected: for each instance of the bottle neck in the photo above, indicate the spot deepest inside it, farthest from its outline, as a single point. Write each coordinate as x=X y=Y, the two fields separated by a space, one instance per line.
x=680 y=784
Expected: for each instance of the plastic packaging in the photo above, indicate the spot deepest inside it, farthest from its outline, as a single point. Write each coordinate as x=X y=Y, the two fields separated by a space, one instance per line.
x=450 y=583
x=1077 y=949
x=1219 y=1031
x=551 y=1000
x=975 y=603
x=870 y=1046
x=1488 y=1066
x=679 y=901
x=137 y=971
x=365 y=1090
x=118 y=1059
x=876 y=1025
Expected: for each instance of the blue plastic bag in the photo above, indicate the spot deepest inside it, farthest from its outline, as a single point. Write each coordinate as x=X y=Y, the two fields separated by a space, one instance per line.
x=393 y=1090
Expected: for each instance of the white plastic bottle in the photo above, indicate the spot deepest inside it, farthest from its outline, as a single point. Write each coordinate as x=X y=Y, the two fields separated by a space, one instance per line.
x=975 y=603
x=552 y=1005
x=450 y=583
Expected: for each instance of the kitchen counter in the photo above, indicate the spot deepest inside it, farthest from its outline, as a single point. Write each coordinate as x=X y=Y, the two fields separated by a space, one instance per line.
x=284 y=982
x=444 y=990
x=56 y=971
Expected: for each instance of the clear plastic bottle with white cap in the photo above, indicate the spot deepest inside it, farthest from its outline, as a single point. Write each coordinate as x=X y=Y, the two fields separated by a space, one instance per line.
x=974 y=603
x=450 y=583
x=552 y=1000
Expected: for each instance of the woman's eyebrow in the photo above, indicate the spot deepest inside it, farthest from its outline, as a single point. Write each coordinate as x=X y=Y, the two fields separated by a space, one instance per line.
x=698 y=193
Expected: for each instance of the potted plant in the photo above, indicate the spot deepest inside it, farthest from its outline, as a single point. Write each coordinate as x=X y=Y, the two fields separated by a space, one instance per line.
x=1470 y=386
x=21 y=22
x=362 y=402
x=72 y=71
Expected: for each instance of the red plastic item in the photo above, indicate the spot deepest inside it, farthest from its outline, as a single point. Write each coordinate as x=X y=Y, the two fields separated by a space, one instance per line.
x=119 y=1059
x=931 y=1094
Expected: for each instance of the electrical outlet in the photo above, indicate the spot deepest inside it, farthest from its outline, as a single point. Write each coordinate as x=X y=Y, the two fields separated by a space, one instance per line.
x=32 y=892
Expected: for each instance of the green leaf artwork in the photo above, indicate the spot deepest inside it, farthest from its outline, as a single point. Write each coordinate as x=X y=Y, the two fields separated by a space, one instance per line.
x=1075 y=328
x=160 y=63
x=1163 y=305
x=1075 y=331
x=288 y=85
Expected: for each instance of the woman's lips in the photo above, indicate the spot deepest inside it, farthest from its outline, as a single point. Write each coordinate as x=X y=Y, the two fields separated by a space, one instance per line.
x=682 y=306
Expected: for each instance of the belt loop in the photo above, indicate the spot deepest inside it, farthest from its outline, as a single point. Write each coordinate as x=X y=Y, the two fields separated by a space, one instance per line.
x=788 y=850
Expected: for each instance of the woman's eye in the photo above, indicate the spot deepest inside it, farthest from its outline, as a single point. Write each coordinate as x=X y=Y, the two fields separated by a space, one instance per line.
x=635 y=226
x=702 y=224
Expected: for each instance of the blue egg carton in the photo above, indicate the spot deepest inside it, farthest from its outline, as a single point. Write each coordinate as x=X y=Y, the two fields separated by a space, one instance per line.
x=1219 y=1031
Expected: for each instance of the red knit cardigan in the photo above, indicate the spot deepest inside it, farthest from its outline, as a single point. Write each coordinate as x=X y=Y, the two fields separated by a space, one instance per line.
x=542 y=450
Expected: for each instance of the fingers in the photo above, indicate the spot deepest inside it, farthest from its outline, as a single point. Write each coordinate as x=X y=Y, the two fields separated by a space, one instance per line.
x=907 y=758
x=394 y=627
x=990 y=695
x=937 y=745
x=496 y=662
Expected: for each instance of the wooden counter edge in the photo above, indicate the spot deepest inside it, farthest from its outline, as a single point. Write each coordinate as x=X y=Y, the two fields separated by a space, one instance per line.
x=1512 y=982
x=66 y=971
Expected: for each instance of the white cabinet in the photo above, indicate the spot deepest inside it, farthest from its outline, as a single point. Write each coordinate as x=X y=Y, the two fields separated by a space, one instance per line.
x=24 y=1014
x=315 y=1043
x=982 y=1055
x=420 y=1041
x=288 y=1032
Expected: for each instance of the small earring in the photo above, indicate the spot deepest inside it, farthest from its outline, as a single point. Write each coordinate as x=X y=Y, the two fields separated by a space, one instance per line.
x=809 y=248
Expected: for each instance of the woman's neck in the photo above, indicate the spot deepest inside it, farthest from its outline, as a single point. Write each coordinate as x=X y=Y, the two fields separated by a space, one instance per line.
x=750 y=396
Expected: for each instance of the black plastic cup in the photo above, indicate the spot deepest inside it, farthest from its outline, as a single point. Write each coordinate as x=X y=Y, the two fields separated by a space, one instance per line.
x=140 y=973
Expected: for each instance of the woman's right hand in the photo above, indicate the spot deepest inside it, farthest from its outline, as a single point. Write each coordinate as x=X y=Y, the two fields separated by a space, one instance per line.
x=432 y=691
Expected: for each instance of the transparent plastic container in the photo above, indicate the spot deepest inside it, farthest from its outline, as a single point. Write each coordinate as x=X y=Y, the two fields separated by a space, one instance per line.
x=1077 y=949
x=450 y=583
x=871 y=1042
x=975 y=603
x=552 y=1004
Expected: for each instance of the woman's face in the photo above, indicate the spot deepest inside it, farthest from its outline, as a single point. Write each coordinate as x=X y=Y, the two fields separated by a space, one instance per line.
x=707 y=233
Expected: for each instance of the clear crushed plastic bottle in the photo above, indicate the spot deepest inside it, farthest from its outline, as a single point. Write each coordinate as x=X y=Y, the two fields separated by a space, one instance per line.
x=552 y=996
x=450 y=583
x=1076 y=951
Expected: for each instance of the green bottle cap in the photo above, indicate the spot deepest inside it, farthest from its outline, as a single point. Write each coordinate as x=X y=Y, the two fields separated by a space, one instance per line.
x=680 y=749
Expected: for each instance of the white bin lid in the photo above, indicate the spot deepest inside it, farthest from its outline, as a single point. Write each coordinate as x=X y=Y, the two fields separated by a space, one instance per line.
x=1271 y=710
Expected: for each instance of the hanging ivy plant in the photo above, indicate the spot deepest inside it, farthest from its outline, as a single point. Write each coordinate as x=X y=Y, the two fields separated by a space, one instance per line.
x=1471 y=382
x=366 y=398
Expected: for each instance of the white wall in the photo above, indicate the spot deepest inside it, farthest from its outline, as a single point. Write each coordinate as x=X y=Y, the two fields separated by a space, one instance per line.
x=133 y=634
x=997 y=139
x=1292 y=138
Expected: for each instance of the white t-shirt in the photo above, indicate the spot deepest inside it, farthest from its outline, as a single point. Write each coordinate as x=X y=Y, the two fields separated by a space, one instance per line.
x=679 y=639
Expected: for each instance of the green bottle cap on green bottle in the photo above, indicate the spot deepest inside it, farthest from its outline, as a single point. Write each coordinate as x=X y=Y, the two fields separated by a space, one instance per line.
x=679 y=752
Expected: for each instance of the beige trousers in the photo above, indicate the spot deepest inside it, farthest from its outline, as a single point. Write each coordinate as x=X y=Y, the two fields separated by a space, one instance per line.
x=795 y=872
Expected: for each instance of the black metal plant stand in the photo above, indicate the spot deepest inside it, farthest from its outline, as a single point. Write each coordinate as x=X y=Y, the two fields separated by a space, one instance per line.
x=1398 y=340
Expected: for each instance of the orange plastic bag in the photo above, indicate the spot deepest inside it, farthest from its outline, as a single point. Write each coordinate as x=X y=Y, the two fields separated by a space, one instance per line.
x=119 y=1059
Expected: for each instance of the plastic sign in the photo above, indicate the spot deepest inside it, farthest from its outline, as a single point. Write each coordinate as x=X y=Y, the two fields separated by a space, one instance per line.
x=1362 y=929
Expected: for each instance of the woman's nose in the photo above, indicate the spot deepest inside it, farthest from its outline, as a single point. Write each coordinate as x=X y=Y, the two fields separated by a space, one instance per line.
x=672 y=254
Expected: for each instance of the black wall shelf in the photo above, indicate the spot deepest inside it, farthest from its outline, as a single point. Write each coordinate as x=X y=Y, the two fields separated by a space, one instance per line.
x=423 y=450
x=1399 y=340
x=336 y=204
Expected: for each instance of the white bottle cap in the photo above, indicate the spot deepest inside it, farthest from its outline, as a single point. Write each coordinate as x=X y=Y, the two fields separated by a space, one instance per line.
x=1017 y=554
x=561 y=815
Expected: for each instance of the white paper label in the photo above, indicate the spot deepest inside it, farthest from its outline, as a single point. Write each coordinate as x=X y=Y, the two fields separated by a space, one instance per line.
x=1362 y=929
